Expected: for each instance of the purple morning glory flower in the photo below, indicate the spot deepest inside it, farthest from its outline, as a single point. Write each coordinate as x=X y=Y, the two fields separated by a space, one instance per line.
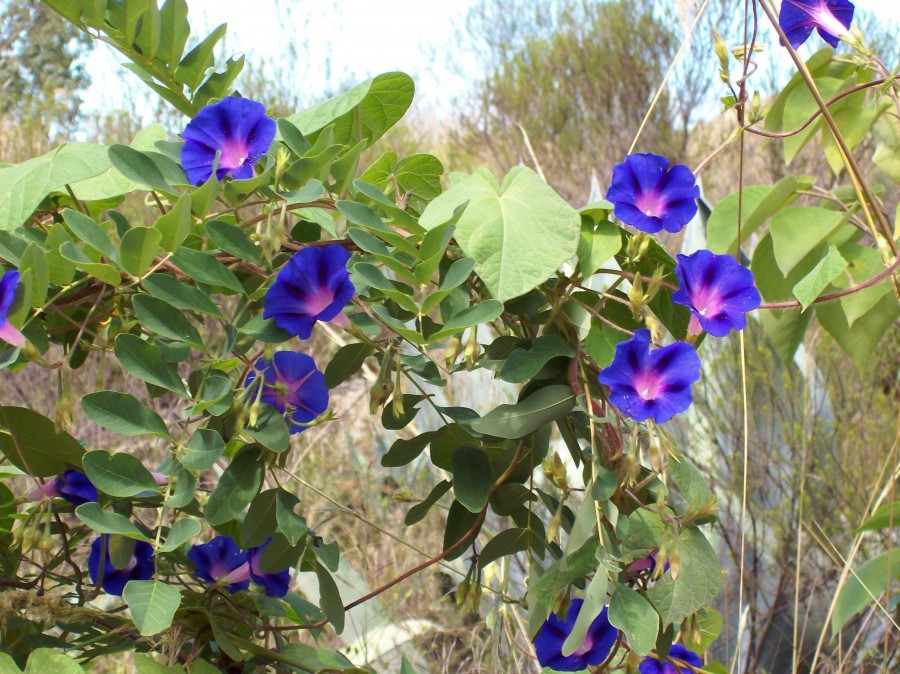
x=651 y=195
x=291 y=381
x=140 y=567
x=651 y=665
x=313 y=286
x=648 y=563
x=274 y=584
x=238 y=128
x=221 y=561
x=8 y=285
x=831 y=18
x=72 y=485
x=717 y=290
x=600 y=639
x=656 y=384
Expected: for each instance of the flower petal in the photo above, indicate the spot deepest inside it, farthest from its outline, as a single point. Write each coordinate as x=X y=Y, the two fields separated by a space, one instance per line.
x=76 y=488
x=237 y=128
x=649 y=194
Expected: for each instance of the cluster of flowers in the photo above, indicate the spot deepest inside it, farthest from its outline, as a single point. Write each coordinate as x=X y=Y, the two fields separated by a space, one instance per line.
x=598 y=646
x=651 y=195
x=219 y=562
x=229 y=137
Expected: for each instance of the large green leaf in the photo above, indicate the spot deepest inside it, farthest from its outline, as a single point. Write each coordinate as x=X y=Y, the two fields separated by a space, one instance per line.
x=523 y=364
x=859 y=340
x=46 y=660
x=138 y=248
x=203 y=450
x=122 y=413
x=870 y=580
x=699 y=579
x=330 y=599
x=518 y=233
x=121 y=474
x=364 y=113
x=175 y=225
x=756 y=204
x=528 y=415
x=111 y=183
x=886 y=517
x=23 y=186
x=31 y=442
x=146 y=362
x=180 y=533
x=471 y=477
x=107 y=522
x=594 y=602
x=152 y=603
x=812 y=285
x=205 y=268
x=346 y=362
x=785 y=328
x=238 y=485
x=181 y=295
x=596 y=245
x=636 y=617
x=798 y=231
x=164 y=319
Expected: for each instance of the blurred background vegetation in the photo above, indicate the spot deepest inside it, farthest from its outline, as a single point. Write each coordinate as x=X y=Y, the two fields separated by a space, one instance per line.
x=565 y=86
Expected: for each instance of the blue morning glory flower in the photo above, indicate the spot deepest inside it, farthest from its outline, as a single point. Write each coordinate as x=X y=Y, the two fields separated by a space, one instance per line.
x=600 y=639
x=275 y=584
x=831 y=18
x=718 y=291
x=140 y=567
x=292 y=383
x=238 y=128
x=651 y=665
x=72 y=485
x=656 y=384
x=221 y=561
x=8 y=285
x=651 y=195
x=313 y=286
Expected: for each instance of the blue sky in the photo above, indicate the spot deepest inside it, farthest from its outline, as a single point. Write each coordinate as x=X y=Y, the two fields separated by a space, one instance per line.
x=359 y=37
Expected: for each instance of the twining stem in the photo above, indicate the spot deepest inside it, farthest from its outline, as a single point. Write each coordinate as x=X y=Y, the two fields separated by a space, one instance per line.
x=881 y=276
x=866 y=197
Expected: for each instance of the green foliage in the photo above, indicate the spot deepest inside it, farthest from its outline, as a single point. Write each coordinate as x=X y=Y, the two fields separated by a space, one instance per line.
x=167 y=301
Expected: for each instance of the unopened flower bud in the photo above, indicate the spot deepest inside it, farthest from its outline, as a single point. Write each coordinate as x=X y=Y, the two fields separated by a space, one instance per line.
x=379 y=395
x=553 y=529
x=462 y=591
x=675 y=564
x=454 y=347
x=282 y=157
x=655 y=282
x=472 y=351
x=404 y=495
x=397 y=405
x=45 y=543
x=654 y=326
x=721 y=50
x=255 y=409
x=662 y=562
x=637 y=297
x=30 y=538
x=473 y=603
